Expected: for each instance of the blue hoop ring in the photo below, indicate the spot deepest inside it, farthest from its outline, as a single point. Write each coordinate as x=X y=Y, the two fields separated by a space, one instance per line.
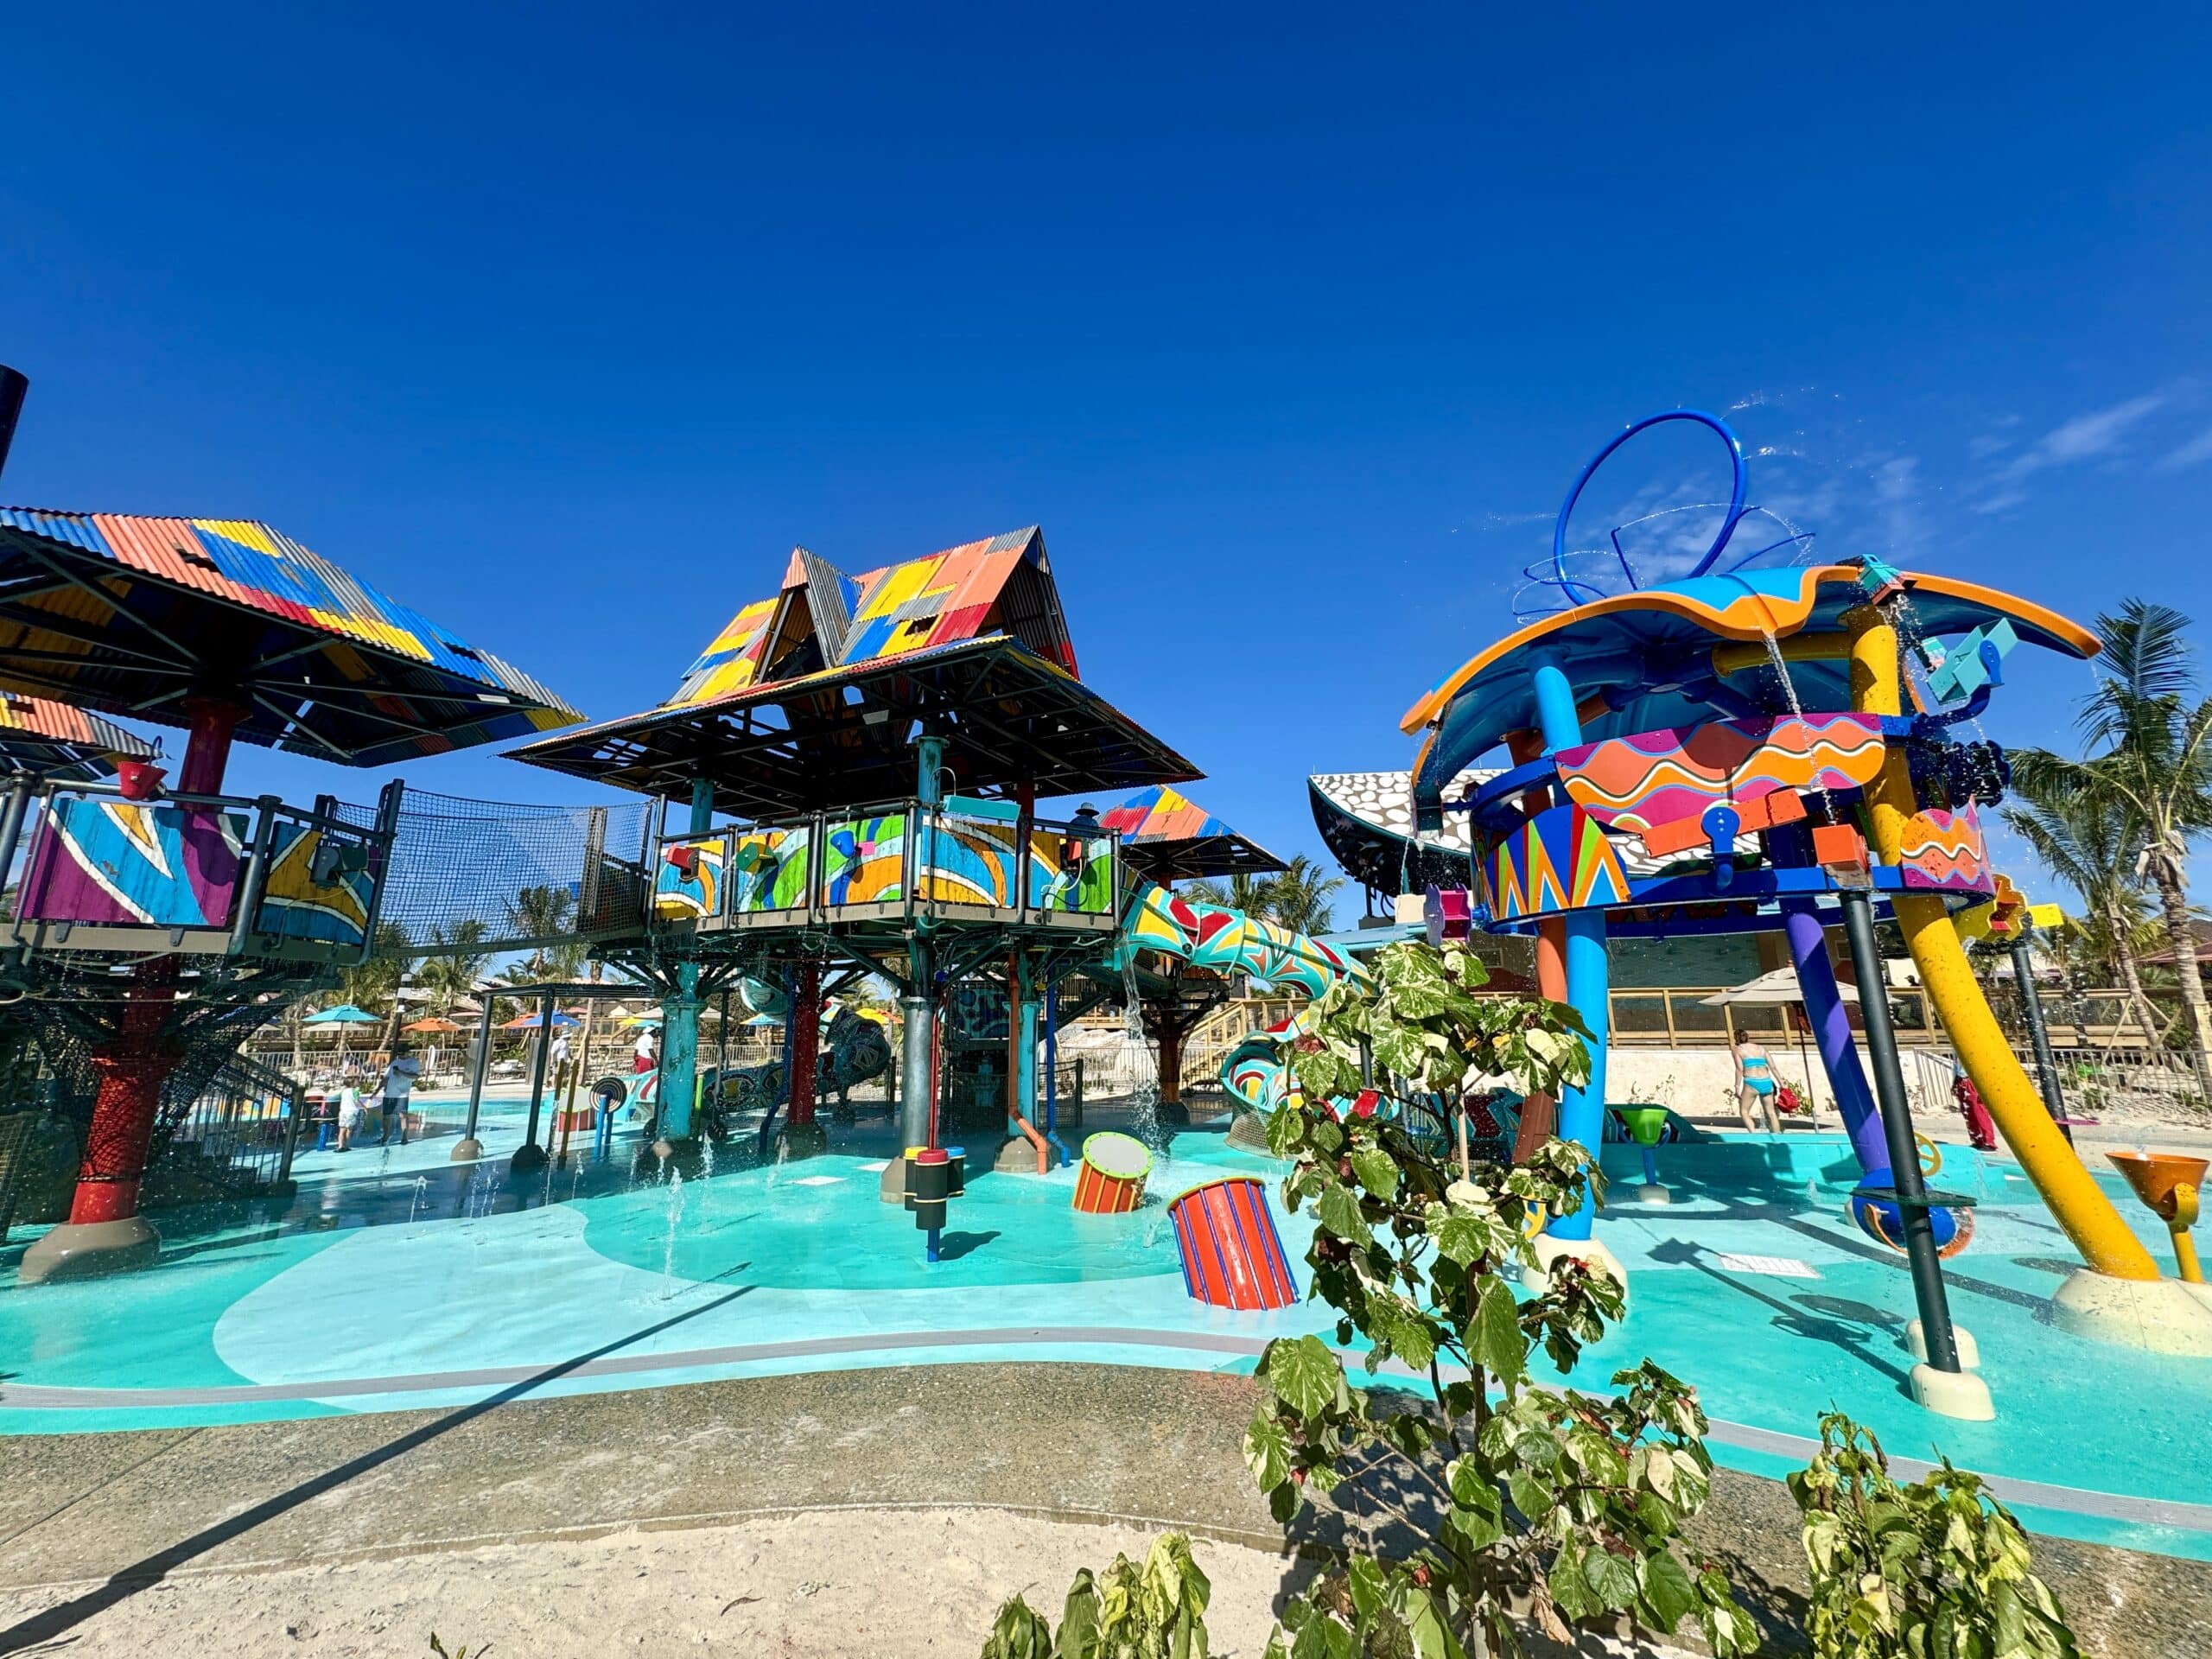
x=1567 y=584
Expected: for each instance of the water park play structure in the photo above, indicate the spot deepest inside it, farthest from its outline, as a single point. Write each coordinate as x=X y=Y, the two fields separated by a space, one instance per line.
x=845 y=808
x=1779 y=740
x=858 y=758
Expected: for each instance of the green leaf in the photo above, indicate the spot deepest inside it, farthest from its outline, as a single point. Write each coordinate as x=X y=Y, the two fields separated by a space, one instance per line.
x=1494 y=1338
x=1610 y=1579
x=1304 y=1374
x=1377 y=1172
x=1339 y=1213
x=1364 y=1579
x=1668 y=1595
x=1267 y=1451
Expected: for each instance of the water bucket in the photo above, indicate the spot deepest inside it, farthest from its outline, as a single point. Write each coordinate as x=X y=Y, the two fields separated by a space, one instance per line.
x=139 y=780
x=1111 y=1179
x=1232 y=1255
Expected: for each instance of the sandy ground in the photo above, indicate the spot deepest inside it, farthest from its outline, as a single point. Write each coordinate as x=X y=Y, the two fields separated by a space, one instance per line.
x=856 y=1581
x=875 y=1582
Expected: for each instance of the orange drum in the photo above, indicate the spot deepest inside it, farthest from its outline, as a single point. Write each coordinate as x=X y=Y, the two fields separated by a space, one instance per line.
x=1232 y=1255
x=1111 y=1179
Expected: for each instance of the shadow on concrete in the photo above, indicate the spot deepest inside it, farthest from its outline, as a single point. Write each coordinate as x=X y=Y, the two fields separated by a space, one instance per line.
x=57 y=1621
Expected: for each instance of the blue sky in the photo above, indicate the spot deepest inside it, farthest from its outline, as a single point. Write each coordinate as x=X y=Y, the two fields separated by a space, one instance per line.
x=564 y=323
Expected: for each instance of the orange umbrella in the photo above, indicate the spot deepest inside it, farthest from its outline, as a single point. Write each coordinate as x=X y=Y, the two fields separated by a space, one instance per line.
x=429 y=1025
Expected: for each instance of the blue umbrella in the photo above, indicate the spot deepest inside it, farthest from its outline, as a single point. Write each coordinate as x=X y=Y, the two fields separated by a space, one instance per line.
x=344 y=1014
x=533 y=1021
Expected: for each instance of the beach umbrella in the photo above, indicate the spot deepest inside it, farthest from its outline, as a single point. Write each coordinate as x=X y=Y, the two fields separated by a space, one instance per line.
x=414 y=1026
x=532 y=1022
x=641 y=1019
x=343 y=1015
x=1778 y=986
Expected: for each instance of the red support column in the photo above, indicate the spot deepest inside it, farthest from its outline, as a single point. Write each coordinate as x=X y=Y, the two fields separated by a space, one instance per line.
x=132 y=1070
x=806 y=1041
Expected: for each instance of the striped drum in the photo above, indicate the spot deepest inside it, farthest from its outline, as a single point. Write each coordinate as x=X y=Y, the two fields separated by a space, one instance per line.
x=1232 y=1255
x=1111 y=1179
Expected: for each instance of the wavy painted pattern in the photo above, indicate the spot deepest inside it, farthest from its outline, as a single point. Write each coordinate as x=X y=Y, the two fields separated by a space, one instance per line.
x=1662 y=777
x=681 y=898
x=1945 y=852
x=123 y=862
x=769 y=869
x=1559 y=860
x=863 y=859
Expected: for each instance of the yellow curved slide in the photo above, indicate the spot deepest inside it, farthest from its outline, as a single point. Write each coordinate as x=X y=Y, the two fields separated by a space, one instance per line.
x=2075 y=1200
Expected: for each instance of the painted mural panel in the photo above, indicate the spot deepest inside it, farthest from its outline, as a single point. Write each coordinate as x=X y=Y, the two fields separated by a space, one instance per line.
x=1639 y=783
x=864 y=860
x=149 y=862
x=1559 y=860
x=295 y=905
x=687 y=895
x=769 y=869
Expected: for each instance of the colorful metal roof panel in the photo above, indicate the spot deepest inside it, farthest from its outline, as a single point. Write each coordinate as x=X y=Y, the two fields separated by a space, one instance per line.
x=133 y=614
x=1168 y=836
x=55 y=740
x=824 y=620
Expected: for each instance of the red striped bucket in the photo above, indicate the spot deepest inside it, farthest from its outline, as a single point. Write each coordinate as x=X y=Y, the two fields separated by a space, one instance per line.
x=1232 y=1255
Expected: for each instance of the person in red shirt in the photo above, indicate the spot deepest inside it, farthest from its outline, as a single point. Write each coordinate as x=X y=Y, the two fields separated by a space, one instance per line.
x=1981 y=1128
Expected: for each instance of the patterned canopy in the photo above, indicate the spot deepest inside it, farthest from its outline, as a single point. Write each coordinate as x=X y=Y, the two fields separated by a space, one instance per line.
x=133 y=615
x=1167 y=836
x=55 y=740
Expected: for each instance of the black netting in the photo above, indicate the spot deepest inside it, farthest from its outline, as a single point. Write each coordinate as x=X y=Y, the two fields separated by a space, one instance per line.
x=473 y=876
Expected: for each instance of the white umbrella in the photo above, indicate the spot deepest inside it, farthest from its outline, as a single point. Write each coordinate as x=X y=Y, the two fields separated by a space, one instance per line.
x=1778 y=986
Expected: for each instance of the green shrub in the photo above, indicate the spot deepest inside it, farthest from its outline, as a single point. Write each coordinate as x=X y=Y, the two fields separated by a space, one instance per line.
x=1156 y=1611
x=1529 y=1505
x=1935 y=1570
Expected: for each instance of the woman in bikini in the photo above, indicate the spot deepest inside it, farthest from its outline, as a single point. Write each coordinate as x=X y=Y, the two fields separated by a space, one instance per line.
x=1755 y=1085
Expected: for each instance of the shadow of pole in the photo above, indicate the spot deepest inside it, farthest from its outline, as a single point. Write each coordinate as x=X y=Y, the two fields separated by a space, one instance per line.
x=152 y=1569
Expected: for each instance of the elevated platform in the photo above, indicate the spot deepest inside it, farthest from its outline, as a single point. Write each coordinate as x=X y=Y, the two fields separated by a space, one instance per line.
x=886 y=869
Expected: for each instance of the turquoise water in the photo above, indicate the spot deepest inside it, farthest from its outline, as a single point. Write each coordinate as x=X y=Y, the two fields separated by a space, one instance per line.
x=398 y=1279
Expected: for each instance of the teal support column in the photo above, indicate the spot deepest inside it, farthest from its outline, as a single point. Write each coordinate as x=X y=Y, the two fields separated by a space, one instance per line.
x=1582 y=1111
x=679 y=1014
x=929 y=766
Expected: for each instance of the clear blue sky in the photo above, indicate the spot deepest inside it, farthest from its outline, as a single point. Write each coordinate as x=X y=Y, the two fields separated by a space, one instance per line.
x=564 y=323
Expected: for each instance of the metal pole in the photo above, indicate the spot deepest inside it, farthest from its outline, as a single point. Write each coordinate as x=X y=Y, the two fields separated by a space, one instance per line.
x=1896 y=1124
x=2023 y=974
x=469 y=1146
x=530 y=1155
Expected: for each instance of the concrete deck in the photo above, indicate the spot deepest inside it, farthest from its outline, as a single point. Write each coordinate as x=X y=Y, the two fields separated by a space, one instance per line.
x=109 y=1514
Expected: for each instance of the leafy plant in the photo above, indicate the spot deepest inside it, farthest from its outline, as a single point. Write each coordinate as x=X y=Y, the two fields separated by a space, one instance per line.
x=1156 y=1611
x=1934 y=1570
x=1567 y=1505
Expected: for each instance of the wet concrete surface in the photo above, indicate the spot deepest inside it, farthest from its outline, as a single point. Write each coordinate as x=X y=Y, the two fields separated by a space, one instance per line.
x=116 y=1511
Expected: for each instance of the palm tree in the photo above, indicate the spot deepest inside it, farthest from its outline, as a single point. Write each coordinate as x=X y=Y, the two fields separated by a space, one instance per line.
x=454 y=964
x=1299 y=898
x=543 y=916
x=2088 y=844
x=2150 y=733
x=1245 y=892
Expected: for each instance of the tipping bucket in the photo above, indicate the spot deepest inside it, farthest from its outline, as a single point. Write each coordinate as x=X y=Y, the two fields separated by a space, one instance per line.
x=1111 y=1181
x=1232 y=1255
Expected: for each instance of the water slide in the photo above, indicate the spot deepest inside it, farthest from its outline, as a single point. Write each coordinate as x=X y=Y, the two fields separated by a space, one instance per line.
x=1229 y=942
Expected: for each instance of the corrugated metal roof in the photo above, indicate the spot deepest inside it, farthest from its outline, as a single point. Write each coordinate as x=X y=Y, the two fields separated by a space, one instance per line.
x=144 y=610
x=941 y=599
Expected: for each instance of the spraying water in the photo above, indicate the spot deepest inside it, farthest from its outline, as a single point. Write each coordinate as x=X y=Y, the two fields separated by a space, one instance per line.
x=1136 y=1070
x=415 y=1203
x=675 y=1220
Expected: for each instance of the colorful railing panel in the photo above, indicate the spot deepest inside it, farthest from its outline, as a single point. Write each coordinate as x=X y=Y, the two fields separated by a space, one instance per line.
x=334 y=910
x=148 y=863
x=864 y=860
